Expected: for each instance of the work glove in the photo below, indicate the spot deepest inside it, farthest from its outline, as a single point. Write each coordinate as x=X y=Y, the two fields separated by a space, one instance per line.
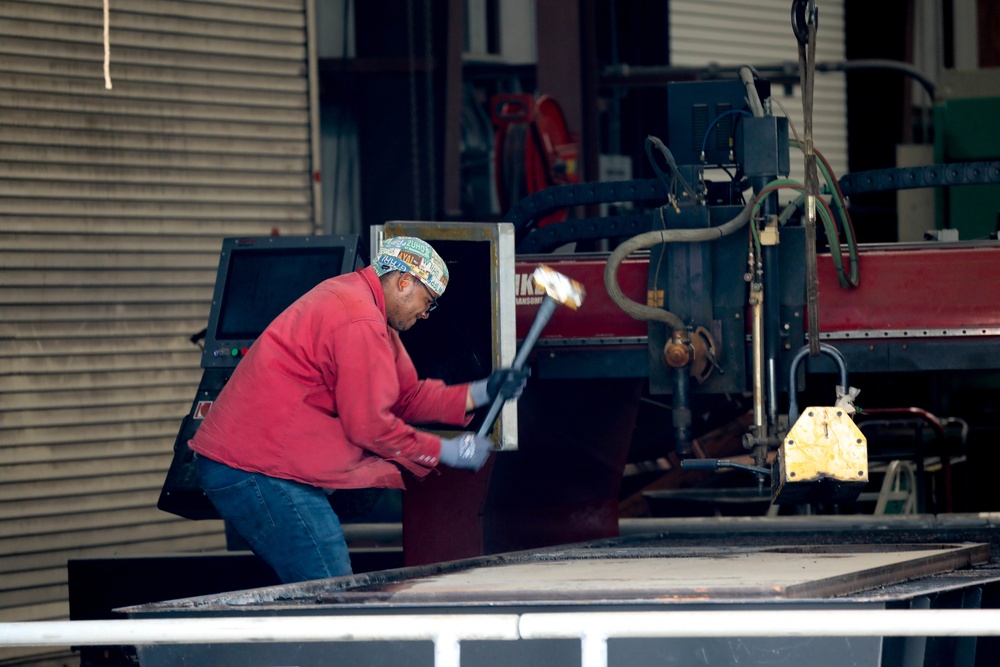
x=467 y=451
x=506 y=382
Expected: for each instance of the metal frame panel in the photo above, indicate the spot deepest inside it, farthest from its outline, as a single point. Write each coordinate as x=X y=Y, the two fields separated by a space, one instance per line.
x=500 y=236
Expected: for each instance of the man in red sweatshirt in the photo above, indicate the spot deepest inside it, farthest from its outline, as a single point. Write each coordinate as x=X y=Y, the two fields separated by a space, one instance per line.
x=324 y=400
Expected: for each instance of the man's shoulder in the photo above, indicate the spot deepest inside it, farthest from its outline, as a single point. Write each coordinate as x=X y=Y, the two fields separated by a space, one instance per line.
x=347 y=297
x=344 y=286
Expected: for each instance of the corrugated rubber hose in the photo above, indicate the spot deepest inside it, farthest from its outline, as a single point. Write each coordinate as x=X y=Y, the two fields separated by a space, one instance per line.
x=646 y=240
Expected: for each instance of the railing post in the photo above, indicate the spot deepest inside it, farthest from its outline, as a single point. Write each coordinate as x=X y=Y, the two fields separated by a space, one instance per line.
x=593 y=650
x=447 y=652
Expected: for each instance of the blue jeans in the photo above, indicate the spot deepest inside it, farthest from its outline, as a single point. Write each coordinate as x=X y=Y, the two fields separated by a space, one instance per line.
x=290 y=525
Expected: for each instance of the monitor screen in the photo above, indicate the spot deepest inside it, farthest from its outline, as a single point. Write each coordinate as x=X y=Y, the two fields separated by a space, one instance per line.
x=259 y=277
x=259 y=285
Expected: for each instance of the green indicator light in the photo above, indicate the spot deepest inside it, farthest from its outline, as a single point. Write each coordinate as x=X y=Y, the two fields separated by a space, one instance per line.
x=236 y=352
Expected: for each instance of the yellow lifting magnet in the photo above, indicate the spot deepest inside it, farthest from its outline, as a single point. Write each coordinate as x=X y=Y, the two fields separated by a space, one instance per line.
x=824 y=458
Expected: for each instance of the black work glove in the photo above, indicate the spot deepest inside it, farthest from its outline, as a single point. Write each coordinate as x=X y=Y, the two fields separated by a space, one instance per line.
x=506 y=382
x=467 y=452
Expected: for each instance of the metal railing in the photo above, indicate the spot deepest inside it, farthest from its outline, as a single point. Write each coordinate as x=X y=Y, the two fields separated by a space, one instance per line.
x=447 y=631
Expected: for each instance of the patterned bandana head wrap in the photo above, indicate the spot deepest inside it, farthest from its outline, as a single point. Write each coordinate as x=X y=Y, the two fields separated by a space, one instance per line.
x=412 y=255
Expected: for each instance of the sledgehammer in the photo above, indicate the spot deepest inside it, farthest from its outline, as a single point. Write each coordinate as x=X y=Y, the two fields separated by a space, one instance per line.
x=559 y=291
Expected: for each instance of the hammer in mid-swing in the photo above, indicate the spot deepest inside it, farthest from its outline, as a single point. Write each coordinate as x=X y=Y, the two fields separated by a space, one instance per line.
x=559 y=290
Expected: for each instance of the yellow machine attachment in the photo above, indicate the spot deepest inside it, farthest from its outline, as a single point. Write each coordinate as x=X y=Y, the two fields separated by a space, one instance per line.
x=824 y=458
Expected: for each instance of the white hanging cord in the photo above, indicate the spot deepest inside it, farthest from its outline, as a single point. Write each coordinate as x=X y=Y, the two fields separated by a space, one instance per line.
x=107 y=48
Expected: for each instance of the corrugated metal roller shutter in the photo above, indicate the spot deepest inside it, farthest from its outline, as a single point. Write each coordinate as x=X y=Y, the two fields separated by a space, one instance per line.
x=737 y=32
x=113 y=204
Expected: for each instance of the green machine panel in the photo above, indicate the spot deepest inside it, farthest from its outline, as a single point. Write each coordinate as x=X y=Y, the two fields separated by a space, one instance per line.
x=966 y=130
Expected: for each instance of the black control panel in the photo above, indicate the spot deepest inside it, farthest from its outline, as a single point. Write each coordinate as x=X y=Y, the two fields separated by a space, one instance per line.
x=259 y=277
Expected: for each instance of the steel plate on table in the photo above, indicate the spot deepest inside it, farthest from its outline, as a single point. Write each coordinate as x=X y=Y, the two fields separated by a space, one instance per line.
x=676 y=574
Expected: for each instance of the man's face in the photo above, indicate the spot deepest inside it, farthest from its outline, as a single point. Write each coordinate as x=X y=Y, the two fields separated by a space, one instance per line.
x=409 y=302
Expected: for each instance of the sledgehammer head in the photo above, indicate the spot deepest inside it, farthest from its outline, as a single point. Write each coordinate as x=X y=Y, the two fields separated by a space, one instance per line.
x=559 y=290
x=558 y=287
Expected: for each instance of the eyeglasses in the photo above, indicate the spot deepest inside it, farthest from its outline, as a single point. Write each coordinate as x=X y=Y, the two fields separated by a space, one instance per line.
x=434 y=302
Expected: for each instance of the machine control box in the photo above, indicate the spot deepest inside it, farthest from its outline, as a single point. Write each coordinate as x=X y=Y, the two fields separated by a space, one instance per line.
x=259 y=277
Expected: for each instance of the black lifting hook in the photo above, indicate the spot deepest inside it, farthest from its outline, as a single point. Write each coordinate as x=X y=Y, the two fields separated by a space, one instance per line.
x=804 y=15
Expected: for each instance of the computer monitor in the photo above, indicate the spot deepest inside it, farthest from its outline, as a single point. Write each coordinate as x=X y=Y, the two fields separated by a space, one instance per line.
x=259 y=277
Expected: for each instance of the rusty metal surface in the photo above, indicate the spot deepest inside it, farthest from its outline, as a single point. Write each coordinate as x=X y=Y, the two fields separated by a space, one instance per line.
x=781 y=572
x=653 y=539
x=649 y=574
